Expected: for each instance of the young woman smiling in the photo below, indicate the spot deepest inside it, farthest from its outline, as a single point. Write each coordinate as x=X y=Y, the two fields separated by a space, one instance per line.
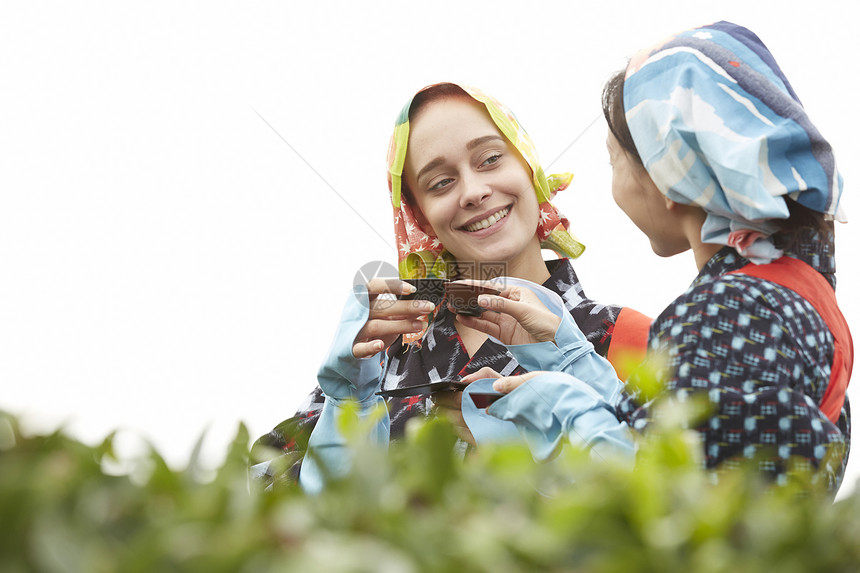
x=470 y=201
x=472 y=189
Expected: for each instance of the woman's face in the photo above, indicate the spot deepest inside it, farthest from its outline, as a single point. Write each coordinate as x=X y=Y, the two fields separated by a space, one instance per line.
x=635 y=192
x=472 y=187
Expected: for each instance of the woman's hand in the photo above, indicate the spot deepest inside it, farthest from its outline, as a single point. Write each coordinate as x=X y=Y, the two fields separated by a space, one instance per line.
x=508 y=384
x=389 y=318
x=516 y=316
x=449 y=404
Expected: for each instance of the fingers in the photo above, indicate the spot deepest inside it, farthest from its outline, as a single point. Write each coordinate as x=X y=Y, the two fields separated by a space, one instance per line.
x=464 y=433
x=387 y=308
x=451 y=400
x=512 y=304
x=529 y=312
x=367 y=349
x=488 y=323
x=507 y=384
x=378 y=334
x=456 y=418
x=389 y=317
x=388 y=321
x=447 y=405
x=477 y=282
x=380 y=285
x=485 y=372
x=381 y=329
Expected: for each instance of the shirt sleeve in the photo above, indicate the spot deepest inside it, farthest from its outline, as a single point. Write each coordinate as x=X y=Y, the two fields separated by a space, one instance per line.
x=555 y=406
x=570 y=352
x=574 y=400
x=342 y=378
x=328 y=456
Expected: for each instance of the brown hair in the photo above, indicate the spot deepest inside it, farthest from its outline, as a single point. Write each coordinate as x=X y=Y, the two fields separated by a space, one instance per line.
x=434 y=93
x=613 y=111
x=791 y=236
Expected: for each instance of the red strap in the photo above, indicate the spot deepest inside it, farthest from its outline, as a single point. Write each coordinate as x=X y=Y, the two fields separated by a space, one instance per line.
x=808 y=283
x=629 y=341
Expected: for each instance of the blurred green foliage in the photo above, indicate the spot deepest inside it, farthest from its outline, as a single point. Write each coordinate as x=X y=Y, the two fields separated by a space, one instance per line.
x=418 y=507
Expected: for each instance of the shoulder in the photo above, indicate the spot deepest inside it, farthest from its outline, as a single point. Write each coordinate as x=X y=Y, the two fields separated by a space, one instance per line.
x=709 y=296
x=737 y=310
x=595 y=319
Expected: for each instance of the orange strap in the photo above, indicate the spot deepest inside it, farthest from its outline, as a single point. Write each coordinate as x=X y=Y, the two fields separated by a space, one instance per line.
x=808 y=283
x=629 y=341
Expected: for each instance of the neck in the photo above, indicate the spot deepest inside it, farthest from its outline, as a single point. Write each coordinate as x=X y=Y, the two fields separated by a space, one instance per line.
x=702 y=252
x=529 y=265
x=536 y=272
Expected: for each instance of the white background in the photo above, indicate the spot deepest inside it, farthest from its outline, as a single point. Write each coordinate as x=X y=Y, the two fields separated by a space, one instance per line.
x=169 y=265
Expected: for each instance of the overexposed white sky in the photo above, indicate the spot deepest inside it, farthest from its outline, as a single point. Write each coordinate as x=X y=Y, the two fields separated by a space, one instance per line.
x=170 y=265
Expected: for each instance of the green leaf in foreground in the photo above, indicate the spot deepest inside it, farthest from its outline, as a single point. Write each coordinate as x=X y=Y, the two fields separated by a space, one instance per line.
x=419 y=507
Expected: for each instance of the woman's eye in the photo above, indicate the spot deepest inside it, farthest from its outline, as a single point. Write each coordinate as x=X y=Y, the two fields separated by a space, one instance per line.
x=441 y=184
x=492 y=159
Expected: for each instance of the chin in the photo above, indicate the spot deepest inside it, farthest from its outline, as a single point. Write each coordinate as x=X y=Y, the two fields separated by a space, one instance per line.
x=662 y=251
x=666 y=251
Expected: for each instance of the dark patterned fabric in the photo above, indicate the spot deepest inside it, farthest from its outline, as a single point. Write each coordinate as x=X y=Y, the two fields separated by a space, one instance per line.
x=761 y=355
x=438 y=356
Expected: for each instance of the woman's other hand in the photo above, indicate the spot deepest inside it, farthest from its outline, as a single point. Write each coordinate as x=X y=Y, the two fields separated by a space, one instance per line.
x=515 y=316
x=507 y=384
x=389 y=318
x=449 y=404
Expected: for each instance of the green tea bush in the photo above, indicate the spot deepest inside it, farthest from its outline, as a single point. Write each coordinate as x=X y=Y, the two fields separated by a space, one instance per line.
x=418 y=507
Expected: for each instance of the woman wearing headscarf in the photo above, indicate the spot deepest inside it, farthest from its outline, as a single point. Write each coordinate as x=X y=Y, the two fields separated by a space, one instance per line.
x=711 y=151
x=470 y=201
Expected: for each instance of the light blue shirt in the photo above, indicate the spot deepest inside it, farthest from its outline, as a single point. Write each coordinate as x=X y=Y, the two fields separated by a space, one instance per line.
x=574 y=400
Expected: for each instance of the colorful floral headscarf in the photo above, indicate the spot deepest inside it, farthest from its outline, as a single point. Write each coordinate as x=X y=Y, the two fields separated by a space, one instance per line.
x=422 y=254
x=717 y=124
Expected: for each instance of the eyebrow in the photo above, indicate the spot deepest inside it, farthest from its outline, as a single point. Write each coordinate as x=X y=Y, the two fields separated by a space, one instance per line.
x=481 y=140
x=477 y=142
x=432 y=165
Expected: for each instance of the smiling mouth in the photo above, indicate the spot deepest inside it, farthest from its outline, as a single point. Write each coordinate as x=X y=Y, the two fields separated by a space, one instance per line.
x=489 y=221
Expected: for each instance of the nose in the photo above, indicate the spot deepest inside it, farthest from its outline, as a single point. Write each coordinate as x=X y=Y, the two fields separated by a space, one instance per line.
x=474 y=191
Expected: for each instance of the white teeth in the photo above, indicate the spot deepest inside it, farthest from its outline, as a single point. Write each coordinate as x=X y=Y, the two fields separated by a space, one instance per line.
x=491 y=220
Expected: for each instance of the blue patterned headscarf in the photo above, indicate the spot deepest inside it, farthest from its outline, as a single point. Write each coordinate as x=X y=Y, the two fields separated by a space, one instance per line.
x=717 y=124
